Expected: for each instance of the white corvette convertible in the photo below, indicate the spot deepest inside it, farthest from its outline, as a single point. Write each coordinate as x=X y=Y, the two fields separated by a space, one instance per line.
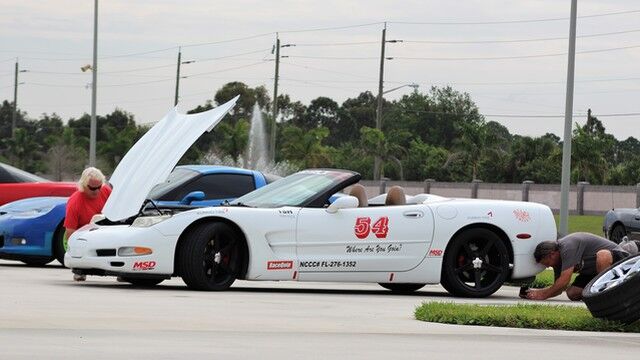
x=297 y=229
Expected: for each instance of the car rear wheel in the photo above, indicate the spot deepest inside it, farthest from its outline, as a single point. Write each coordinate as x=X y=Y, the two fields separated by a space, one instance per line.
x=614 y=294
x=475 y=264
x=210 y=257
x=141 y=282
x=617 y=233
x=401 y=287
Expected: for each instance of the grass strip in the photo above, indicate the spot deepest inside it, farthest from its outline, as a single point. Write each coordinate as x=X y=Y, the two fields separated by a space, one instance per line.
x=532 y=316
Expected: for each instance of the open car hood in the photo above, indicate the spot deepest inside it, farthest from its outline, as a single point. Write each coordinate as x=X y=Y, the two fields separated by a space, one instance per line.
x=151 y=159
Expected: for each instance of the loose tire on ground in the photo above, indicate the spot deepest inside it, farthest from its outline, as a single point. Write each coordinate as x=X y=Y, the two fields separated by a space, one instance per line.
x=614 y=294
x=475 y=264
x=210 y=257
x=402 y=288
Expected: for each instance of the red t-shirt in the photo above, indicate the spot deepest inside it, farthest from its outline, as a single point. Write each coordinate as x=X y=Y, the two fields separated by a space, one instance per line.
x=81 y=208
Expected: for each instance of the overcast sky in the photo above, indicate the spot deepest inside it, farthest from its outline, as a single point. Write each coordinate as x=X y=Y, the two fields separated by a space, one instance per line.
x=510 y=66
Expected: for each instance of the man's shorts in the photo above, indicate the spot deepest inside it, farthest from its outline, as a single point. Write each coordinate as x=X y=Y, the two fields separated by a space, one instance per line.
x=588 y=269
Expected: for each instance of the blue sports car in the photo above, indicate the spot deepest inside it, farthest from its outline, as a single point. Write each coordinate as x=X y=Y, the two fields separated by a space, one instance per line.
x=31 y=230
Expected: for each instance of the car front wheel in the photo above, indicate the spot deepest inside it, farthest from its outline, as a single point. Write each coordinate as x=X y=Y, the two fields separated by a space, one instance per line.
x=475 y=264
x=617 y=233
x=210 y=257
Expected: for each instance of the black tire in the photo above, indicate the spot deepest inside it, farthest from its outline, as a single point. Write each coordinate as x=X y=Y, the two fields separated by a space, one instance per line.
x=142 y=282
x=210 y=257
x=619 y=301
x=617 y=233
x=37 y=262
x=57 y=244
x=402 y=288
x=475 y=264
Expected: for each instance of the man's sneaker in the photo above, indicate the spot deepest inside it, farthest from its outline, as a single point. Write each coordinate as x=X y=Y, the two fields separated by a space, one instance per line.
x=77 y=277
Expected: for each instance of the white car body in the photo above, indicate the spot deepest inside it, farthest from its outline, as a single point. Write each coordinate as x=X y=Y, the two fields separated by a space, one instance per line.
x=397 y=244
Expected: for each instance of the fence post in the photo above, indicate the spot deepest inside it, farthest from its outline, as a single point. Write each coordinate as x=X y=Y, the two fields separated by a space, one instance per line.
x=580 y=204
x=526 y=186
x=427 y=186
x=474 y=188
x=638 y=195
x=383 y=185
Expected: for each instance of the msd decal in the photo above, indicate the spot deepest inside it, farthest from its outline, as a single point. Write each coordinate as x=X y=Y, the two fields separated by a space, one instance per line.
x=280 y=265
x=435 y=252
x=144 y=265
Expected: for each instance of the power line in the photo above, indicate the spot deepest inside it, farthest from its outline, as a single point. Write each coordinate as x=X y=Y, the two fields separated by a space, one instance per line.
x=509 y=21
x=337 y=44
x=226 y=69
x=511 y=57
x=331 y=28
x=329 y=71
x=333 y=57
x=228 y=41
x=519 y=40
x=232 y=56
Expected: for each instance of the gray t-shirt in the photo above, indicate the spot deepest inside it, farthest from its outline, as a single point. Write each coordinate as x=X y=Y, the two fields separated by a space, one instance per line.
x=576 y=247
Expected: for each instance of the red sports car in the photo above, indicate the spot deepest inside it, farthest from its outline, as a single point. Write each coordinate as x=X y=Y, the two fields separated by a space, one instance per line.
x=16 y=184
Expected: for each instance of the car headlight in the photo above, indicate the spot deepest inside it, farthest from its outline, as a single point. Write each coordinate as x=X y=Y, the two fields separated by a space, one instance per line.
x=146 y=221
x=32 y=213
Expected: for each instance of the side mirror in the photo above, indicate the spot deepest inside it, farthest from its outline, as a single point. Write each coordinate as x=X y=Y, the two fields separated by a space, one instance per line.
x=343 y=202
x=191 y=197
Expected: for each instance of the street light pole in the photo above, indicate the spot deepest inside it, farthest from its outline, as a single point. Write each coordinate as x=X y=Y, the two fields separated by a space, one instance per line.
x=92 y=134
x=175 y=102
x=568 y=120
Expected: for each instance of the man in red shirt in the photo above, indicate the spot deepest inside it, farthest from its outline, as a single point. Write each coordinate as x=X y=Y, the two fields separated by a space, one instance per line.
x=87 y=201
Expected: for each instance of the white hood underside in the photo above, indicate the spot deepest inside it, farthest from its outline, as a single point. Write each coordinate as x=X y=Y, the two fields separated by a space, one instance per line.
x=151 y=159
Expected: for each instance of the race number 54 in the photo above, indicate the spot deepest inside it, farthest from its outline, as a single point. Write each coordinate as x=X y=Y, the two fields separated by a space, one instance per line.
x=363 y=227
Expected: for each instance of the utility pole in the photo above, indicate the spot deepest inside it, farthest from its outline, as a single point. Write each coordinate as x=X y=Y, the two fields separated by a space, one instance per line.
x=14 y=116
x=272 y=142
x=175 y=102
x=94 y=87
x=568 y=121
x=377 y=161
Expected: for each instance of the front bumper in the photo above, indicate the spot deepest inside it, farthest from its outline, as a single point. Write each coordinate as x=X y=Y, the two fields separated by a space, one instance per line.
x=94 y=251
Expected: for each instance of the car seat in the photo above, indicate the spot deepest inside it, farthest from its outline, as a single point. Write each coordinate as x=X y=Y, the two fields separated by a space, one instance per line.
x=395 y=196
x=359 y=192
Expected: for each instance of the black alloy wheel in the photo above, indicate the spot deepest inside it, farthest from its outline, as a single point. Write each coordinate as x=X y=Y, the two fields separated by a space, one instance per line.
x=476 y=264
x=210 y=257
x=614 y=294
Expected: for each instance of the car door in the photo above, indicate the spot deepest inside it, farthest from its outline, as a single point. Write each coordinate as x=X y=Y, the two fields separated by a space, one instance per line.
x=633 y=225
x=383 y=238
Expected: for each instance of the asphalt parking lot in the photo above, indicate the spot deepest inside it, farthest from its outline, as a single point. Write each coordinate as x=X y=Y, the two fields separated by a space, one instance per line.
x=44 y=314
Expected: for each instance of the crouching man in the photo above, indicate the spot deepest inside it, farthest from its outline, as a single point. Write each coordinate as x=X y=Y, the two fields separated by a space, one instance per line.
x=582 y=253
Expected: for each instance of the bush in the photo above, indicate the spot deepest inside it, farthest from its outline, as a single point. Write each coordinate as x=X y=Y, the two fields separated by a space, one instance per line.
x=533 y=316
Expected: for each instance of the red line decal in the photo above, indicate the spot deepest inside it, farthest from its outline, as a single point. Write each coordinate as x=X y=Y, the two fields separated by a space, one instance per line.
x=280 y=265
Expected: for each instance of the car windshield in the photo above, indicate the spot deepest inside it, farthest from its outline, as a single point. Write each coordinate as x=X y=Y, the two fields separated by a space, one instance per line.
x=10 y=174
x=294 y=190
x=178 y=177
